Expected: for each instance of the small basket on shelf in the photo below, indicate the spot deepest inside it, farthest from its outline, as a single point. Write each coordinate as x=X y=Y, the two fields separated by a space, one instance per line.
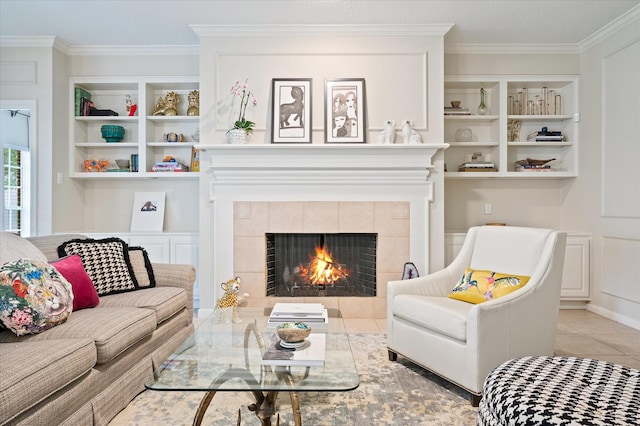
x=112 y=133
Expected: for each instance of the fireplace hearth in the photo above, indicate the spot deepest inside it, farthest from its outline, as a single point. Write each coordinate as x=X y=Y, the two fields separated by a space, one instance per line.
x=321 y=264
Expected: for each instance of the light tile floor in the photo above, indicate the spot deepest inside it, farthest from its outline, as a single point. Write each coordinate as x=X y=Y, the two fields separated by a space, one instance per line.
x=580 y=333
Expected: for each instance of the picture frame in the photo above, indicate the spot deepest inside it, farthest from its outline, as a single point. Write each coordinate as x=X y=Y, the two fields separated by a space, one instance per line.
x=291 y=110
x=148 y=211
x=345 y=110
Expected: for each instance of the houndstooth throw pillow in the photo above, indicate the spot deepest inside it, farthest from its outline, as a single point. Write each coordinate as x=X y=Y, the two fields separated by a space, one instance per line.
x=106 y=262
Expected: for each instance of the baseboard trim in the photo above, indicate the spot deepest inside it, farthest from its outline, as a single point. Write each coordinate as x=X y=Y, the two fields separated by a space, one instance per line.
x=622 y=319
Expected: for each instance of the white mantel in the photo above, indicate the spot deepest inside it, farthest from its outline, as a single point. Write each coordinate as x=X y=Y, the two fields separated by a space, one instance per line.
x=340 y=172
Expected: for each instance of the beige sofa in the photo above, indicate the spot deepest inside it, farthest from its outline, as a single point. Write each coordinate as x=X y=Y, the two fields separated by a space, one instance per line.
x=89 y=368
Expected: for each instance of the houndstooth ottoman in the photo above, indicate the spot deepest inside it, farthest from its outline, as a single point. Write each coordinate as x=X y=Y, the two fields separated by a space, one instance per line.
x=541 y=390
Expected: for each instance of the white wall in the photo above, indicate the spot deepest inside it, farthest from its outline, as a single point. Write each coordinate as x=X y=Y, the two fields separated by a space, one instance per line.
x=615 y=288
x=27 y=75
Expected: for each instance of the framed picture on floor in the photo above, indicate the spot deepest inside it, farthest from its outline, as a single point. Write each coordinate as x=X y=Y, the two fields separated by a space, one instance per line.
x=148 y=211
x=291 y=110
x=345 y=111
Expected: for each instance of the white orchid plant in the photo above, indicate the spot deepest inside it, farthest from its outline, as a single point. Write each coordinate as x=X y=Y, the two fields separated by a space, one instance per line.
x=242 y=91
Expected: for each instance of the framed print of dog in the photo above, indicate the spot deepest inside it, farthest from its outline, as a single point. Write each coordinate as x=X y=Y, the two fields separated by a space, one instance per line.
x=344 y=102
x=291 y=118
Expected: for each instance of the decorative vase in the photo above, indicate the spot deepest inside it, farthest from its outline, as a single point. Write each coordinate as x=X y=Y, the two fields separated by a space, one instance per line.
x=482 y=108
x=237 y=136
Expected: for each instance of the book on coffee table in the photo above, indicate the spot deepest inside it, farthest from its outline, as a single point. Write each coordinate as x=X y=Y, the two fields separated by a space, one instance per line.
x=310 y=352
x=313 y=314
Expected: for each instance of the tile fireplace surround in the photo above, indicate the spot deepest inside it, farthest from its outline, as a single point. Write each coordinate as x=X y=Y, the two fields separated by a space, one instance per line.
x=249 y=190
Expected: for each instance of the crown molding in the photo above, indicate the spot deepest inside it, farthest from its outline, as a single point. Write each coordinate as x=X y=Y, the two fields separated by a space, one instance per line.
x=31 y=41
x=320 y=29
x=610 y=29
x=511 y=49
x=131 y=50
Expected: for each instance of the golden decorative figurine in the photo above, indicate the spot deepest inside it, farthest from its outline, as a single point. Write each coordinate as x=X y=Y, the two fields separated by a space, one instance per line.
x=194 y=103
x=171 y=102
x=160 y=107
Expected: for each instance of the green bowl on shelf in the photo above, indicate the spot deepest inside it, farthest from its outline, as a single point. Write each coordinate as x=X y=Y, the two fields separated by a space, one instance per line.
x=112 y=133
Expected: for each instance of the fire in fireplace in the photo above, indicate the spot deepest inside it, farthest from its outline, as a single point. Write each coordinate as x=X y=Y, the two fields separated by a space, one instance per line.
x=306 y=265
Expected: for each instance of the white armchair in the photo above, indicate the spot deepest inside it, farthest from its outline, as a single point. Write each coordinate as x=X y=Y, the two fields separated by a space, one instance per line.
x=463 y=342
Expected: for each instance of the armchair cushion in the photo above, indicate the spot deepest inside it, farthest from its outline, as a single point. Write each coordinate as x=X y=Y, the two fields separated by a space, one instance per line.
x=478 y=286
x=439 y=314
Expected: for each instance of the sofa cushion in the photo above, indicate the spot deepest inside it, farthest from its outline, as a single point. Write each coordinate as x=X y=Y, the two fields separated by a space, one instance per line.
x=106 y=262
x=14 y=247
x=84 y=293
x=478 y=286
x=165 y=302
x=34 y=296
x=31 y=371
x=440 y=314
x=142 y=268
x=112 y=329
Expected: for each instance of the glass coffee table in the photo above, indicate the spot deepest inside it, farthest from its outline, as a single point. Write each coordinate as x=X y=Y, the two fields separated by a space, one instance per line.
x=227 y=357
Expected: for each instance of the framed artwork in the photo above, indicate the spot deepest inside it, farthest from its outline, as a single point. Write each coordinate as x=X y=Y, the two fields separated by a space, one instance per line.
x=344 y=101
x=291 y=118
x=148 y=211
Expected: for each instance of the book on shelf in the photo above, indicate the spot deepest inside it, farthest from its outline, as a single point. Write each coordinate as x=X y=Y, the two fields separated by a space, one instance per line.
x=169 y=166
x=456 y=111
x=546 y=136
x=477 y=169
x=80 y=94
x=539 y=168
x=311 y=353
x=477 y=166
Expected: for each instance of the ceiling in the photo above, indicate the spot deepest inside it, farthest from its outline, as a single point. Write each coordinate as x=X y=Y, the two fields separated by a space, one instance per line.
x=166 y=23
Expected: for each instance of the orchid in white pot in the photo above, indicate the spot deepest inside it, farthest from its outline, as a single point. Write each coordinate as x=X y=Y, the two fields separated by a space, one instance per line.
x=242 y=91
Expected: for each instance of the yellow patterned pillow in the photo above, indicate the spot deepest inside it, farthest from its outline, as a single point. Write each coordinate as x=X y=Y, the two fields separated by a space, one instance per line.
x=477 y=286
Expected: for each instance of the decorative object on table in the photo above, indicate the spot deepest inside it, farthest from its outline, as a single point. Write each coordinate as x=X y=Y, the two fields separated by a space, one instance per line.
x=544 y=135
x=123 y=164
x=93 y=164
x=112 y=133
x=148 y=211
x=242 y=127
x=388 y=133
x=464 y=134
x=167 y=105
x=345 y=111
x=291 y=110
x=410 y=135
x=482 y=108
x=293 y=332
x=226 y=306
x=173 y=137
x=410 y=271
x=194 y=103
x=513 y=130
x=308 y=352
x=533 y=165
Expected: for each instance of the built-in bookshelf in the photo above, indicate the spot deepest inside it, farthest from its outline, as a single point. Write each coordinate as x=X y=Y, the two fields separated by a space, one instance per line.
x=145 y=132
x=492 y=134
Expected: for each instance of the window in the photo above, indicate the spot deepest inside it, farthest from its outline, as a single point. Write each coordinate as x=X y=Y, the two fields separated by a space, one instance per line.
x=16 y=172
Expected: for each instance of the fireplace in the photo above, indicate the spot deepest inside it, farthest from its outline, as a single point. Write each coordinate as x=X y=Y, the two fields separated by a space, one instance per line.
x=249 y=191
x=321 y=264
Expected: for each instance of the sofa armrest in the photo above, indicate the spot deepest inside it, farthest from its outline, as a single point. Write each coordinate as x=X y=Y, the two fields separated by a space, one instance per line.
x=176 y=275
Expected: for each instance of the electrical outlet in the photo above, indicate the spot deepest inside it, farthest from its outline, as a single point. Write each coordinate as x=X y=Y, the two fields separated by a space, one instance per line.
x=59 y=178
x=487 y=208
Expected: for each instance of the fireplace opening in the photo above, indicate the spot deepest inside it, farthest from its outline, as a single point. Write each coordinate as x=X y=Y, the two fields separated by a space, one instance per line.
x=307 y=265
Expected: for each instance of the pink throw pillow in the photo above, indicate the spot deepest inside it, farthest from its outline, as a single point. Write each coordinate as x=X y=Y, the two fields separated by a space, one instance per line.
x=84 y=292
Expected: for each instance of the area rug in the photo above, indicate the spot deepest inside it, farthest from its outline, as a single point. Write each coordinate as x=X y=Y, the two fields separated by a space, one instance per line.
x=390 y=393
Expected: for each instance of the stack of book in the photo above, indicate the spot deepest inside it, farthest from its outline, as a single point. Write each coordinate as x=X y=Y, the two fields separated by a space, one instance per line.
x=477 y=166
x=313 y=314
x=546 y=136
x=533 y=168
x=456 y=111
x=169 y=166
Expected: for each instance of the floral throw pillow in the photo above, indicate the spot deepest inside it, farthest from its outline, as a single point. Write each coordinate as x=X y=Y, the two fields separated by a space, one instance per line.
x=34 y=296
x=477 y=286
